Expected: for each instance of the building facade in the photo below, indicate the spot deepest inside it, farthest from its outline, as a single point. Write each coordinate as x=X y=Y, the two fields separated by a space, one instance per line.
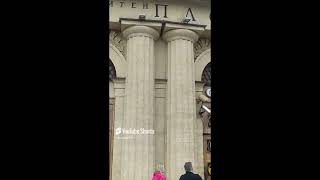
x=159 y=87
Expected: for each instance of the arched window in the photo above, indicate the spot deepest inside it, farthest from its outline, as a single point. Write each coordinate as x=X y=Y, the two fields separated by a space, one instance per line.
x=112 y=71
x=209 y=89
x=206 y=75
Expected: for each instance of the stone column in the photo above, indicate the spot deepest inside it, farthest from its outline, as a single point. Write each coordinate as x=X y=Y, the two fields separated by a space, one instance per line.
x=137 y=156
x=181 y=111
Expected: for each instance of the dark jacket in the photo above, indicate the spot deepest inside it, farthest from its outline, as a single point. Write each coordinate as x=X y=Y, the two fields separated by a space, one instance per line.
x=190 y=176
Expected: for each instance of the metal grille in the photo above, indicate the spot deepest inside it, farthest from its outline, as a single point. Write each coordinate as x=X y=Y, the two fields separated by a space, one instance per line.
x=112 y=71
x=206 y=75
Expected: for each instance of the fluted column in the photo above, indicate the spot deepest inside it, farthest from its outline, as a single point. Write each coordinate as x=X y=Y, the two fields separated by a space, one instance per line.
x=138 y=151
x=181 y=115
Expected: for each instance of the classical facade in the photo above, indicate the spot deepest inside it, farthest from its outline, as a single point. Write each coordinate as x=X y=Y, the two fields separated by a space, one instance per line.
x=159 y=87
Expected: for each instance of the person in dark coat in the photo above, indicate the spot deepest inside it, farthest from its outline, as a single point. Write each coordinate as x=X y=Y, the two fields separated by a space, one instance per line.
x=189 y=174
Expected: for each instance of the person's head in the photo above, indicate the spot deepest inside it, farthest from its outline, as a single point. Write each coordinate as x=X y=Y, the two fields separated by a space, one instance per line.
x=160 y=167
x=188 y=166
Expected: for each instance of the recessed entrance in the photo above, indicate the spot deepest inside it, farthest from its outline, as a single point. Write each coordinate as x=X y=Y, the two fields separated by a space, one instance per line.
x=112 y=75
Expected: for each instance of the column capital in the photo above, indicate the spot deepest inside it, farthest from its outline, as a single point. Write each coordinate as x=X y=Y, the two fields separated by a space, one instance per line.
x=180 y=34
x=138 y=30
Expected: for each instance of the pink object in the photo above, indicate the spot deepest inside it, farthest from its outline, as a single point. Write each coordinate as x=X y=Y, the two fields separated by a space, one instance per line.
x=158 y=176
